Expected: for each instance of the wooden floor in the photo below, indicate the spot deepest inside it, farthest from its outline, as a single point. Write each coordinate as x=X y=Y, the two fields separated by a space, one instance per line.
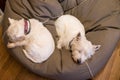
x=10 y=69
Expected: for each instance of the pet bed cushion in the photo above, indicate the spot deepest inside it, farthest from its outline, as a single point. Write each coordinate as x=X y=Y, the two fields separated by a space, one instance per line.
x=101 y=19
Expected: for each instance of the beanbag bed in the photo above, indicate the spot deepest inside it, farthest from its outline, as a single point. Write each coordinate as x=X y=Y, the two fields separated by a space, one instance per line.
x=101 y=19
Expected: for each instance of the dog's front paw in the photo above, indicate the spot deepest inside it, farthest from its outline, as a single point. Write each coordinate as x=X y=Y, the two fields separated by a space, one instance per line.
x=10 y=45
x=59 y=46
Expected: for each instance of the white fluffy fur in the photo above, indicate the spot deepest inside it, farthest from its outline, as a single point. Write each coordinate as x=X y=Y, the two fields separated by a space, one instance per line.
x=38 y=45
x=71 y=31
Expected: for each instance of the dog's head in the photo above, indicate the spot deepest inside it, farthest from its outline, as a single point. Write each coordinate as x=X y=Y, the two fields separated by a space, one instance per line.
x=82 y=49
x=15 y=31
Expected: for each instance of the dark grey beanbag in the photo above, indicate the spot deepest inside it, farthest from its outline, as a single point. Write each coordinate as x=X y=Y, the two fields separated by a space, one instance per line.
x=101 y=19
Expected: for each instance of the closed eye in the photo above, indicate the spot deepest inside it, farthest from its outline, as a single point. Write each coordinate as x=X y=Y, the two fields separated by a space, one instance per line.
x=79 y=51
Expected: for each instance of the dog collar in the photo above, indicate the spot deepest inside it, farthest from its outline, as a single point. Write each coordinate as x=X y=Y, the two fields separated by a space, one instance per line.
x=27 y=27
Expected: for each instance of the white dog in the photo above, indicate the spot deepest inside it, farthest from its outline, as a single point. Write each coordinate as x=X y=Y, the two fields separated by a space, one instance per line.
x=71 y=35
x=36 y=40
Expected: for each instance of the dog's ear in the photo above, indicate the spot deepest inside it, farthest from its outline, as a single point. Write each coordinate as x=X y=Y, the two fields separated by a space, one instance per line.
x=96 y=47
x=11 y=20
x=78 y=36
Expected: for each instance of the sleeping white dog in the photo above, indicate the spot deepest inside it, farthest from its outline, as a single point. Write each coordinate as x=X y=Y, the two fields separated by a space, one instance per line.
x=71 y=35
x=36 y=40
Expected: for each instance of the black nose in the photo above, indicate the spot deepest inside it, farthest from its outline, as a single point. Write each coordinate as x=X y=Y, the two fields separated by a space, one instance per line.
x=79 y=61
x=70 y=50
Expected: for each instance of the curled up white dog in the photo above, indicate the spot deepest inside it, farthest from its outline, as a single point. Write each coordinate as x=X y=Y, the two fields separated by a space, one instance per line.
x=71 y=35
x=33 y=37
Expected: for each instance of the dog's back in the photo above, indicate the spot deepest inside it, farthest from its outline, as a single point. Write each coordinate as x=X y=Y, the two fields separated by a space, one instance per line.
x=71 y=25
x=41 y=44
